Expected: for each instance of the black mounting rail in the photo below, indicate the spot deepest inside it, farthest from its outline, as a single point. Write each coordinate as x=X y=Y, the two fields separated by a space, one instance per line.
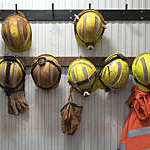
x=68 y=15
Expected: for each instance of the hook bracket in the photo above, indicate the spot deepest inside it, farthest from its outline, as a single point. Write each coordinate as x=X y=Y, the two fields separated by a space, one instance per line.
x=53 y=10
x=126 y=8
x=16 y=9
x=89 y=5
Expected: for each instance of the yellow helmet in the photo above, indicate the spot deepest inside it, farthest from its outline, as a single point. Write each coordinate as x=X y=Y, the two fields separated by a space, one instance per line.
x=89 y=27
x=115 y=72
x=12 y=72
x=141 y=71
x=46 y=71
x=81 y=75
x=16 y=32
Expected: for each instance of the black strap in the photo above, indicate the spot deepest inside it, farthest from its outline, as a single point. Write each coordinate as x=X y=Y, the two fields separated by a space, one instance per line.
x=73 y=105
x=41 y=61
x=77 y=84
x=7 y=74
x=146 y=86
x=14 y=59
x=107 y=89
x=118 y=56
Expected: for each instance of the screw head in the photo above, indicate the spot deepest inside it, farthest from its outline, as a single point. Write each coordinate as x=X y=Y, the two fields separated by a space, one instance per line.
x=141 y=11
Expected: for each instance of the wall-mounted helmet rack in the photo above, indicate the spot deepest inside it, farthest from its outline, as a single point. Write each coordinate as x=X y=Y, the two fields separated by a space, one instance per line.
x=68 y=15
x=65 y=61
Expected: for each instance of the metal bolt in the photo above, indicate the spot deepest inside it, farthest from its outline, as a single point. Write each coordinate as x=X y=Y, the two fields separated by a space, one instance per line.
x=141 y=11
x=141 y=18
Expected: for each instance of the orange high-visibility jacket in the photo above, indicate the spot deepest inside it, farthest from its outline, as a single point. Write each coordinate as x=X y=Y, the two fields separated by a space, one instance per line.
x=136 y=131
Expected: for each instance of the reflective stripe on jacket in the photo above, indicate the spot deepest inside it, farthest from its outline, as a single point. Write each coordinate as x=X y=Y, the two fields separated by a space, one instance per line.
x=136 y=131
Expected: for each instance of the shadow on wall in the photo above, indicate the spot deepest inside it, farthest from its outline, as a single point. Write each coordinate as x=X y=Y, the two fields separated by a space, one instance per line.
x=48 y=104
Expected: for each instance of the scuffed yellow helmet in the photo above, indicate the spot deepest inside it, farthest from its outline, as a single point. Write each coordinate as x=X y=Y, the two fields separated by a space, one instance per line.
x=89 y=27
x=82 y=75
x=141 y=71
x=12 y=72
x=46 y=71
x=115 y=72
x=16 y=32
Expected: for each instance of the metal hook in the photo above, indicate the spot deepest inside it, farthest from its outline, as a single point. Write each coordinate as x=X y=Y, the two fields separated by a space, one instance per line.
x=126 y=7
x=16 y=9
x=53 y=10
x=89 y=5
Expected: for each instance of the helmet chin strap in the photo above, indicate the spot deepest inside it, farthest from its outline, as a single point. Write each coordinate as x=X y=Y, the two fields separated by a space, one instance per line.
x=85 y=92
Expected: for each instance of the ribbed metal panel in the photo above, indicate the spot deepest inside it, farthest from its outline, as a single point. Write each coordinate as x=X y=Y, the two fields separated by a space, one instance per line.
x=103 y=114
x=74 y=4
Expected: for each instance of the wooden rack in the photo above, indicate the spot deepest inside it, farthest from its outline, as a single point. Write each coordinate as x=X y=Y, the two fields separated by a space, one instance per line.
x=65 y=61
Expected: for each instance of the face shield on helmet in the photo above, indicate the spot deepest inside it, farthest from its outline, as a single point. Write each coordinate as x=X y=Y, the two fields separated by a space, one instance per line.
x=16 y=32
x=89 y=27
x=46 y=71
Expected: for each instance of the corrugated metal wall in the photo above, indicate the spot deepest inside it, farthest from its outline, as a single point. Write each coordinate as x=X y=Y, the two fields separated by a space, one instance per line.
x=103 y=114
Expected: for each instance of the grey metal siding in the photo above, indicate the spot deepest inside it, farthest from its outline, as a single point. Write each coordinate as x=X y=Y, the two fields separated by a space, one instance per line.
x=103 y=114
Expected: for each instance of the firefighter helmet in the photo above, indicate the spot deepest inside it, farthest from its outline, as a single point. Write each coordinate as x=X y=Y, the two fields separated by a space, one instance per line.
x=141 y=71
x=12 y=72
x=115 y=72
x=89 y=27
x=46 y=71
x=81 y=75
x=16 y=32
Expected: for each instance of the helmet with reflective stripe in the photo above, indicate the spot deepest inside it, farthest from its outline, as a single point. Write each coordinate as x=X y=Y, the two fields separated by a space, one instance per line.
x=16 y=32
x=46 y=71
x=141 y=71
x=12 y=72
x=115 y=72
x=81 y=75
x=89 y=26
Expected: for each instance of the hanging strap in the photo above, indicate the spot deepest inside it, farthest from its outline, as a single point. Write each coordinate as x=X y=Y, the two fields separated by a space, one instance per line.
x=70 y=95
x=7 y=74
